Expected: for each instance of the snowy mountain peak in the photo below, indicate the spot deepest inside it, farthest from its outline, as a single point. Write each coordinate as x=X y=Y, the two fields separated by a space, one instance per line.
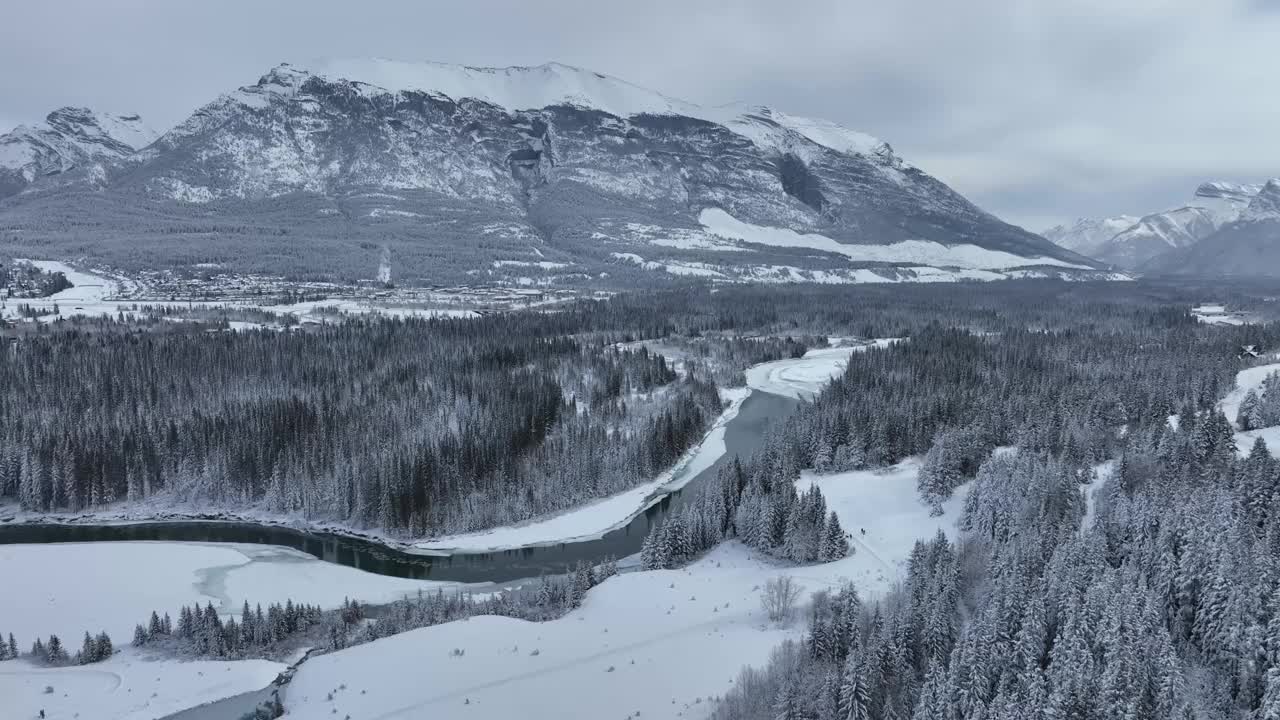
x=1130 y=242
x=1088 y=236
x=1227 y=190
x=1265 y=205
x=70 y=137
x=539 y=86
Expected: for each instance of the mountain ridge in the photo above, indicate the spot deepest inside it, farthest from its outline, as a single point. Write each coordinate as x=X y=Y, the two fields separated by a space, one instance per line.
x=1214 y=205
x=1246 y=246
x=431 y=176
x=69 y=138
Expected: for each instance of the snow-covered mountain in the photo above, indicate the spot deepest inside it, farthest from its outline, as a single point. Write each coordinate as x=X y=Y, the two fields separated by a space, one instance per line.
x=1132 y=242
x=1088 y=235
x=1247 y=246
x=525 y=173
x=69 y=138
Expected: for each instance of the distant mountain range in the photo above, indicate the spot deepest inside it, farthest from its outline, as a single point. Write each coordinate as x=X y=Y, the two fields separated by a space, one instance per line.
x=1226 y=228
x=1247 y=246
x=547 y=174
x=69 y=138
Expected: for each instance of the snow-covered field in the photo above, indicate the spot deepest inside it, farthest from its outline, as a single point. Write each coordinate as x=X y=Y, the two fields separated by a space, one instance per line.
x=883 y=503
x=659 y=643
x=594 y=519
x=804 y=377
x=125 y=687
x=1217 y=315
x=68 y=588
x=1246 y=380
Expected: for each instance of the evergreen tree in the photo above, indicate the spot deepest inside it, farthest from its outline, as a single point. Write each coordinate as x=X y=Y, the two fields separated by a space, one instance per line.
x=834 y=543
x=854 y=698
x=55 y=653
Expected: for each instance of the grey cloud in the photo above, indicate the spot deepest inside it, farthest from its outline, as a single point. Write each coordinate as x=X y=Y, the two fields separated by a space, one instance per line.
x=1036 y=109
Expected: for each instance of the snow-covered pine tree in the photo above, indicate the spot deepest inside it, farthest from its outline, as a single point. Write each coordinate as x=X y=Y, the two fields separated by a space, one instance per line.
x=105 y=649
x=834 y=543
x=854 y=698
x=55 y=652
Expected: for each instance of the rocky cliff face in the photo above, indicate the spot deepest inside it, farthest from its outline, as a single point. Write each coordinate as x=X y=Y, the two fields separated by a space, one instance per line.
x=525 y=173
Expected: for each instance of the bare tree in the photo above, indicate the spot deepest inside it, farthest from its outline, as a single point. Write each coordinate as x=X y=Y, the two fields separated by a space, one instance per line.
x=779 y=598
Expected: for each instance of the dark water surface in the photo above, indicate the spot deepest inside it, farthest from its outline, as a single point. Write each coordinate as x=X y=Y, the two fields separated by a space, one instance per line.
x=742 y=437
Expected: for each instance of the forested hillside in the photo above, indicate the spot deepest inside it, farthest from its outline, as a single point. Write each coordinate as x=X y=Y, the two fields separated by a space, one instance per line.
x=1164 y=602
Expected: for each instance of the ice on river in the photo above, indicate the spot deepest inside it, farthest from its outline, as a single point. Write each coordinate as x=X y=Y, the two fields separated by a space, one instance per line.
x=70 y=588
x=125 y=687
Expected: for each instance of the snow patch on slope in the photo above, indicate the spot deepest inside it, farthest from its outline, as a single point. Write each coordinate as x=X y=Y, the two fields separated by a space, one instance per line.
x=919 y=252
x=514 y=88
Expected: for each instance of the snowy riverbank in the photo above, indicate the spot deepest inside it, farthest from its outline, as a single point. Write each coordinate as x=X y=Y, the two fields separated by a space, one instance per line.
x=594 y=519
x=662 y=643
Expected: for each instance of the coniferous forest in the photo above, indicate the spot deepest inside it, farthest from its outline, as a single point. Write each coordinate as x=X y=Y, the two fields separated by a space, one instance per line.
x=1159 y=598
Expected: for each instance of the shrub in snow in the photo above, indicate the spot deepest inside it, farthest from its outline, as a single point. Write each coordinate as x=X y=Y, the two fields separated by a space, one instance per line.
x=779 y=598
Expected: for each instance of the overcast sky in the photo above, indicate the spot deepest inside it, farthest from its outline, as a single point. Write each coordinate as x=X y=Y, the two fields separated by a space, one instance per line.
x=1038 y=110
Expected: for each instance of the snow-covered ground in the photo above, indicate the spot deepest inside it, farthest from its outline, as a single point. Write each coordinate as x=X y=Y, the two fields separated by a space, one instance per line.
x=70 y=588
x=1246 y=380
x=883 y=503
x=1102 y=473
x=804 y=377
x=658 y=643
x=594 y=519
x=125 y=687
x=1217 y=315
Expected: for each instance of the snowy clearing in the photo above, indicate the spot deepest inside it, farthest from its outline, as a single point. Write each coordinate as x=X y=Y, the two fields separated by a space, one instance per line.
x=1217 y=315
x=885 y=504
x=919 y=252
x=805 y=377
x=660 y=643
x=1246 y=380
x=125 y=687
x=1102 y=472
x=594 y=519
x=68 y=588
